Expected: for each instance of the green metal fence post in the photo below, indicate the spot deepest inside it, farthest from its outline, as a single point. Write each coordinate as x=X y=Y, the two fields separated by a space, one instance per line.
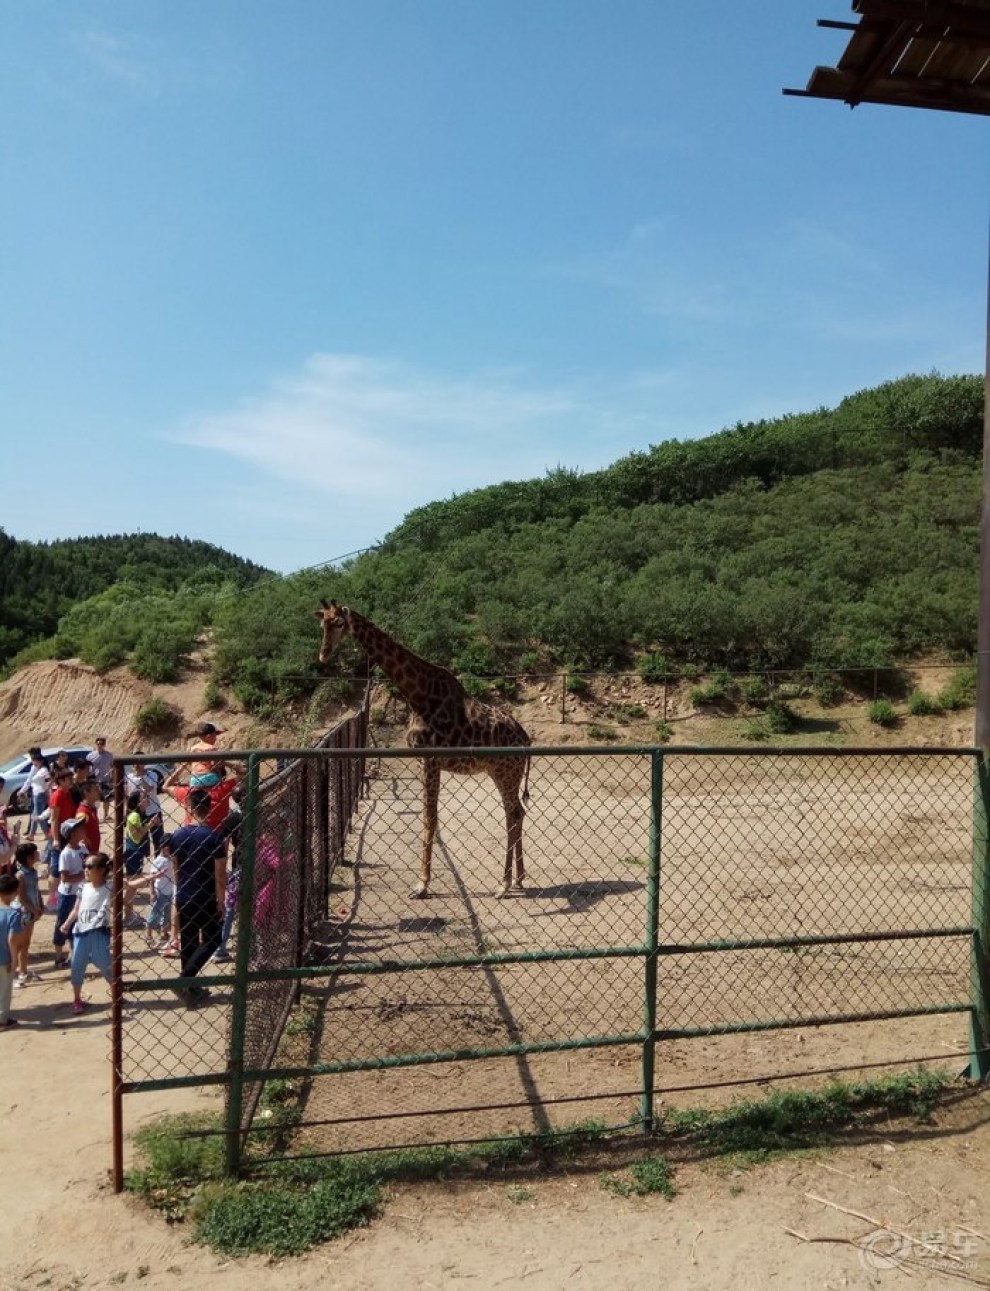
x=238 y=1013
x=652 y=941
x=979 y=973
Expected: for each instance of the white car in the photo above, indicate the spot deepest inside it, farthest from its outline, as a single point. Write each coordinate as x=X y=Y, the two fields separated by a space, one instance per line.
x=16 y=771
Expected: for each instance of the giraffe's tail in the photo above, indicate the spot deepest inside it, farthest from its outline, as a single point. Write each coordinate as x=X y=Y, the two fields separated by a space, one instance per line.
x=525 y=792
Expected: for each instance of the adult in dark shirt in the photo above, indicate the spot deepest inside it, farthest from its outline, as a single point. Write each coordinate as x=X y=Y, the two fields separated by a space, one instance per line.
x=199 y=853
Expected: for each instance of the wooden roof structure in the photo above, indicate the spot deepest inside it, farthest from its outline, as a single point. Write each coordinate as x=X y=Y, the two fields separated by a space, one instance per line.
x=911 y=54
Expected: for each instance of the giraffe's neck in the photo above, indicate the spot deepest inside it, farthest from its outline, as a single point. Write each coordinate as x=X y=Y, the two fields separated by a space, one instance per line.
x=423 y=685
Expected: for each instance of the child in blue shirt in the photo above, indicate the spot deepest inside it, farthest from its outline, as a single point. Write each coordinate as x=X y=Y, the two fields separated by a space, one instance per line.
x=10 y=929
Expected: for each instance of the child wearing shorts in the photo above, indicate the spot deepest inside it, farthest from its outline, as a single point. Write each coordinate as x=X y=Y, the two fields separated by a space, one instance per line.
x=162 y=883
x=88 y=923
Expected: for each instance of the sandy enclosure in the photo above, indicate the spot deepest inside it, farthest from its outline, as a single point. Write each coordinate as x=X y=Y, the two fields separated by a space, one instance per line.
x=751 y=848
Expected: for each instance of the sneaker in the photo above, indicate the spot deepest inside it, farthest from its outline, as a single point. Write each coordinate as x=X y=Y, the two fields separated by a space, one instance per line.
x=20 y=981
x=77 y=1006
x=221 y=956
x=170 y=950
x=32 y=976
x=62 y=961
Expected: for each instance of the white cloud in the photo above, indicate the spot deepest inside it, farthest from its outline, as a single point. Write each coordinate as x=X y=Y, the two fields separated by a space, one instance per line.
x=357 y=427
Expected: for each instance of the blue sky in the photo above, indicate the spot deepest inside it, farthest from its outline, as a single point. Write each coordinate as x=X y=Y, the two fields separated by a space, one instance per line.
x=274 y=274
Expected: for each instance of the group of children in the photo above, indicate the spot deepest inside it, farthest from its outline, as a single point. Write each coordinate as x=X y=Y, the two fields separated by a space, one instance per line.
x=82 y=914
x=81 y=891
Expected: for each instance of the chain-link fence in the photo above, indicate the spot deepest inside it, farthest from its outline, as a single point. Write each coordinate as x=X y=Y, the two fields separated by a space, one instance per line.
x=669 y=894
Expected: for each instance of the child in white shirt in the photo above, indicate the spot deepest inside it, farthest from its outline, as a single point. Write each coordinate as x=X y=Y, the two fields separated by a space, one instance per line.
x=161 y=880
x=89 y=926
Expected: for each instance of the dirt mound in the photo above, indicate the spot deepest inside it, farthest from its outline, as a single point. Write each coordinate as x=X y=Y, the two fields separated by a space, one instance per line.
x=67 y=702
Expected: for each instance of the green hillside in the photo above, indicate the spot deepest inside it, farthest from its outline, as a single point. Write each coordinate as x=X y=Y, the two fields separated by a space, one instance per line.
x=838 y=538
x=833 y=539
x=99 y=596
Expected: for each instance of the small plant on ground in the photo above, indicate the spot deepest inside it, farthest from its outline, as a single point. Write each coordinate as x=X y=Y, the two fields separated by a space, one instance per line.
x=664 y=732
x=754 y=691
x=781 y=719
x=653 y=668
x=960 y=691
x=575 y=684
x=881 y=713
x=717 y=689
x=213 y=696
x=828 y=689
x=921 y=704
x=519 y=1195
x=626 y=713
x=651 y=1175
x=605 y=734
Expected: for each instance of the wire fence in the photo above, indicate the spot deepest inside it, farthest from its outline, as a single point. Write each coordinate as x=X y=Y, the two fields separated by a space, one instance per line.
x=669 y=894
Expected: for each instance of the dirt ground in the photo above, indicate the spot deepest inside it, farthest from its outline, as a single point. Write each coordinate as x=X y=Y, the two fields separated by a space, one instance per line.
x=786 y=1225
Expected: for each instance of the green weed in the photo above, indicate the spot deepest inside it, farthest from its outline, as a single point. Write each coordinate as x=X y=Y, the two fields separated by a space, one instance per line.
x=651 y=1175
x=881 y=712
x=604 y=734
x=921 y=704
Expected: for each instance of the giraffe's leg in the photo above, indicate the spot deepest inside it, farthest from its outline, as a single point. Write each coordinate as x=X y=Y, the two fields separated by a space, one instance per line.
x=431 y=796
x=509 y=790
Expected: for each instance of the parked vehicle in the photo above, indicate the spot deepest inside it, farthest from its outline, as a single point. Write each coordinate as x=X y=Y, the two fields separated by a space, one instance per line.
x=16 y=771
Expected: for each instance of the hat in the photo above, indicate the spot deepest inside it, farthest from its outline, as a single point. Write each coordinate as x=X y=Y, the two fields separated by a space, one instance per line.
x=207 y=728
x=67 y=826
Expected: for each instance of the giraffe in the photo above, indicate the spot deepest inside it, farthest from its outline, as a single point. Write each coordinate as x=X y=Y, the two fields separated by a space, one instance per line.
x=443 y=716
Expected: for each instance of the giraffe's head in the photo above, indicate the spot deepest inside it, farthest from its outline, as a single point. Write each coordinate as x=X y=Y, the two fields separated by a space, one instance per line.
x=336 y=621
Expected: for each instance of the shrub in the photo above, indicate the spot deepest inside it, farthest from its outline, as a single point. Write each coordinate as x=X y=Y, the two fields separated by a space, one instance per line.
x=717 y=689
x=664 y=732
x=921 y=704
x=653 y=667
x=754 y=691
x=251 y=696
x=960 y=692
x=213 y=697
x=475 y=658
x=606 y=734
x=156 y=717
x=780 y=718
x=626 y=713
x=575 y=684
x=475 y=687
x=828 y=689
x=881 y=712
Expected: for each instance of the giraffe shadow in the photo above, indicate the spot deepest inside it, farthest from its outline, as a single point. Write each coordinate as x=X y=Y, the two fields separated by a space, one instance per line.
x=582 y=896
